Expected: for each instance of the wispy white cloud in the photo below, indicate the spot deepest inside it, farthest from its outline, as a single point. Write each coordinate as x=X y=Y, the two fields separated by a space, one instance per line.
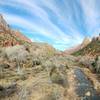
x=91 y=13
x=66 y=29
x=32 y=8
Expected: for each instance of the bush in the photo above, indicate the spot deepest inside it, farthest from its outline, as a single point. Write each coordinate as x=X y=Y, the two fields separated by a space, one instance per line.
x=36 y=61
x=58 y=77
x=2 y=53
x=8 y=90
x=86 y=61
x=96 y=64
x=16 y=52
x=53 y=92
x=47 y=65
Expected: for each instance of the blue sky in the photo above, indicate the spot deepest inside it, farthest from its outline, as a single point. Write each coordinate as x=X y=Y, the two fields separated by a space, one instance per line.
x=61 y=23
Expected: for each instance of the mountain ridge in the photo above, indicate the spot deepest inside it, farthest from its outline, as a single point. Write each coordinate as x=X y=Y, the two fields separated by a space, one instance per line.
x=8 y=36
x=92 y=49
x=76 y=48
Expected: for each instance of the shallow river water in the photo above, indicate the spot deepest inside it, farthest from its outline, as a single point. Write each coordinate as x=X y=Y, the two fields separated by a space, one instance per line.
x=84 y=87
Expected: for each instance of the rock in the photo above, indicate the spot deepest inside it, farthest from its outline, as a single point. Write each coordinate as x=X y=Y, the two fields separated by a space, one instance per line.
x=88 y=93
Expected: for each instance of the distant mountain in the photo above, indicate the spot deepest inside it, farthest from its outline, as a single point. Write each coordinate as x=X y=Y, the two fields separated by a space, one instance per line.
x=8 y=36
x=92 y=49
x=85 y=42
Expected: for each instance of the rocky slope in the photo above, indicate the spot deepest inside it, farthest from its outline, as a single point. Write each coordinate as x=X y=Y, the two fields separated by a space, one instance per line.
x=21 y=36
x=85 y=42
x=9 y=37
x=92 y=49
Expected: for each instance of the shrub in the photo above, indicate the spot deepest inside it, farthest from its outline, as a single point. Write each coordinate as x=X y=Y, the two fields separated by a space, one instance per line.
x=2 y=53
x=1 y=72
x=58 y=77
x=86 y=61
x=96 y=64
x=48 y=65
x=53 y=92
x=36 y=61
x=16 y=52
x=8 y=90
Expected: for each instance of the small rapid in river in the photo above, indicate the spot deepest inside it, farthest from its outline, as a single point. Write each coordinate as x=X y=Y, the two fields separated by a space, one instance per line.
x=84 y=87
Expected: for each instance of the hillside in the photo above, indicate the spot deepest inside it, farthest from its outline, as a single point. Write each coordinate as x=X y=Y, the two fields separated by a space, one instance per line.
x=8 y=36
x=37 y=71
x=92 y=49
x=85 y=42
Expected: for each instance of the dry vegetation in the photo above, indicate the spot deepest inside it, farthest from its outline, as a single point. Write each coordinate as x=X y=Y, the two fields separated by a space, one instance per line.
x=36 y=71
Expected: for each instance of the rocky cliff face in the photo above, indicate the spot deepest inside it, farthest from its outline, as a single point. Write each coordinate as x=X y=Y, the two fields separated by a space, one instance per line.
x=9 y=37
